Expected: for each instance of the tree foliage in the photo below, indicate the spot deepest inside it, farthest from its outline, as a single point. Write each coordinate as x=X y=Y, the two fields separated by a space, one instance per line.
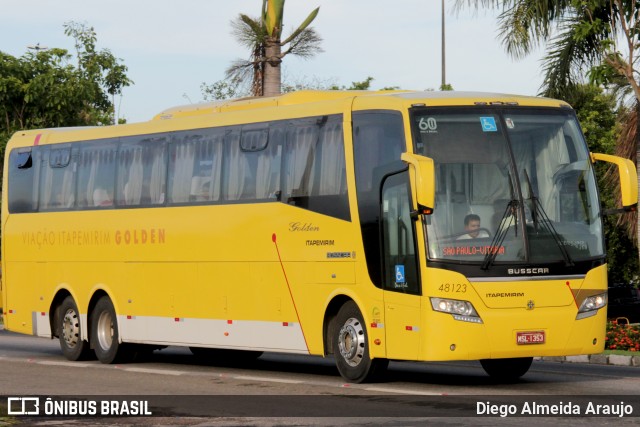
x=228 y=88
x=45 y=89
x=602 y=125
x=362 y=85
x=587 y=40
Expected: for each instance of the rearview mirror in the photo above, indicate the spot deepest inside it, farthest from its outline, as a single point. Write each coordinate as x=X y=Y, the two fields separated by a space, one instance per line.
x=628 y=179
x=422 y=175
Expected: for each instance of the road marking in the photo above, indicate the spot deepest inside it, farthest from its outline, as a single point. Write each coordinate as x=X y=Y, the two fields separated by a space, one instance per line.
x=402 y=391
x=69 y=364
x=266 y=379
x=155 y=371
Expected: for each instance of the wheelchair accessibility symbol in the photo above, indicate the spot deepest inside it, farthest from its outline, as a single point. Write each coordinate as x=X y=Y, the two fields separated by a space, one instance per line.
x=488 y=124
x=400 y=274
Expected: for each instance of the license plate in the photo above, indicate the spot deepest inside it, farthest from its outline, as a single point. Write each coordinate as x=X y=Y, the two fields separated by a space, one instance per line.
x=523 y=338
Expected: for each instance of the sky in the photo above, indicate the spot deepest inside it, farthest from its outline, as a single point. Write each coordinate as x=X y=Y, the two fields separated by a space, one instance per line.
x=171 y=47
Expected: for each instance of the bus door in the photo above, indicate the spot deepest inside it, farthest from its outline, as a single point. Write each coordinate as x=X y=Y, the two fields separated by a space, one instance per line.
x=400 y=265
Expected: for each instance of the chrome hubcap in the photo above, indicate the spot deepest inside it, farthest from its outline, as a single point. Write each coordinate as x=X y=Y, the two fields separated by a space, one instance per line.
x=71 y=328
x=104 y=330
x=351 y=342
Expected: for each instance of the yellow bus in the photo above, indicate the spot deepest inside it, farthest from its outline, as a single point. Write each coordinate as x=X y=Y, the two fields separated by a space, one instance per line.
x=371 y=226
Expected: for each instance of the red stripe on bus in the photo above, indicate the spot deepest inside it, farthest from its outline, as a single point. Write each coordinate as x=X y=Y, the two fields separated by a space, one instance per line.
x=573 y=295
x=274 y=239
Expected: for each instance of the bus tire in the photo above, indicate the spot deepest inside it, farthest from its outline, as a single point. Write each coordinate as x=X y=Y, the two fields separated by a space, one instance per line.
x=105 y=336
x=507 y=369
x=70 y=331
x=351 y=346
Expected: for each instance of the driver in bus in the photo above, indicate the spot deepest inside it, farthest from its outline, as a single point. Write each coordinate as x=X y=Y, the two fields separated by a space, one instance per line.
x=472 y=227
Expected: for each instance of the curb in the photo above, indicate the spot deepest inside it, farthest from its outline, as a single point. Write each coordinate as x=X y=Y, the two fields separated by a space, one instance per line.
x=595 y=359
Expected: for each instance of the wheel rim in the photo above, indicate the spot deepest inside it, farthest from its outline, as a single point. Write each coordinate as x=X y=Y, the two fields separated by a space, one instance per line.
x=71 y=328
x=351 y=342
x=104 y=330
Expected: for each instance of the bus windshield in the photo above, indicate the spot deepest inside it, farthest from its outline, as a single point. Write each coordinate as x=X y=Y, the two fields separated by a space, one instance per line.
x=513 y=185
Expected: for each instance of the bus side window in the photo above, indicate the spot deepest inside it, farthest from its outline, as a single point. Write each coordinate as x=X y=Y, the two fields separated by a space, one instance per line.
x=302 y=138
x=235 y=165
x=22 y=194
x=315 y=167
x=332 y=178
x=57 y=180
x=195 y=166
x=270 y=172
x=96 y=173
x=329 y=186
x=252 y=159
x=142 y=170
x=268 y=165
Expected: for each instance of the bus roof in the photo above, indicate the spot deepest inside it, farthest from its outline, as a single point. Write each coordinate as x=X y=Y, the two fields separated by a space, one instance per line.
x=430 y=98
x=206 y=113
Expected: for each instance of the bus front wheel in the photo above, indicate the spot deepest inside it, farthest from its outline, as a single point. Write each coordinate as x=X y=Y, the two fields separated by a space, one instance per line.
x=350 y=346
x=507 y=369
x=104 y=333
x=70 y=332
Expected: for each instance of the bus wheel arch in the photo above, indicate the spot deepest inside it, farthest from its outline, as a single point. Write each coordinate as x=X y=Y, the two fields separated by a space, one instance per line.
x=346 y=336
x=54 y=312
x=329 y=322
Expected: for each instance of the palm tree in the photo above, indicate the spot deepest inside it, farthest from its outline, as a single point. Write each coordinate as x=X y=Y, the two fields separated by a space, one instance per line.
x=263 y=36
x=598 y=39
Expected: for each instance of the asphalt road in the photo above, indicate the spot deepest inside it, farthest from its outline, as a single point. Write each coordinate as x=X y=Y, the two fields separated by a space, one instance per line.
x=277 y=389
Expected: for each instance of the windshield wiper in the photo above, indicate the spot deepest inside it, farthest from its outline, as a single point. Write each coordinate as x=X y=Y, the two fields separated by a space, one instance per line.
x=510 y=216
x=540 y=218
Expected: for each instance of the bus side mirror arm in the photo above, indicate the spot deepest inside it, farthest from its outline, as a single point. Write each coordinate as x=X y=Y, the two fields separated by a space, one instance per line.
x=628 y=179
x=422 y=175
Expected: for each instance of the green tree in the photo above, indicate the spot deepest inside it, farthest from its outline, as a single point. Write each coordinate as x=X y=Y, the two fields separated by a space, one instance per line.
x=583 y=38
x=363 y=85
x=44 y=89
x=101 y=69
x=221 y=89
x=594 y=39
x=600 y=120
x=263 y=36
x=227 y=88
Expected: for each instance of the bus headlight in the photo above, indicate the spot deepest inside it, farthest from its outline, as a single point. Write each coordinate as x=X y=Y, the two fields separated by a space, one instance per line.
x=591 y=305
x=460 y=310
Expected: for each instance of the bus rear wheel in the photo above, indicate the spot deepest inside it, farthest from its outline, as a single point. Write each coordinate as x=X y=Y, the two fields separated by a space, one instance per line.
x=507 y=369
x=350 y=346
x=70 y=332
x=105 y=337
